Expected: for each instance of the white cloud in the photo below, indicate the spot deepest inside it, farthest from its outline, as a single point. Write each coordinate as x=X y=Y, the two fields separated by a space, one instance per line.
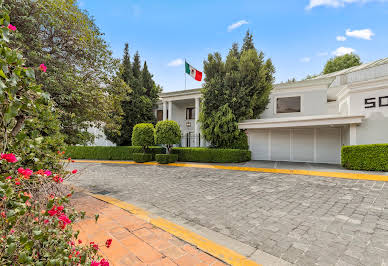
x=237 y=25
x=341 y=38
x=365 y=34
x=305 y=59
x=323 y=54
x=337 y=3
x=176 y=62
x=343 y=51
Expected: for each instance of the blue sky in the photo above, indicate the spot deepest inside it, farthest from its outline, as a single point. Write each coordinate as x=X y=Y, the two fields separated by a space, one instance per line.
x=298 y=35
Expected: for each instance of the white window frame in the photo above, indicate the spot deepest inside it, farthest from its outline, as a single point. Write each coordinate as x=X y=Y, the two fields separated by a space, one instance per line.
x=288 y=96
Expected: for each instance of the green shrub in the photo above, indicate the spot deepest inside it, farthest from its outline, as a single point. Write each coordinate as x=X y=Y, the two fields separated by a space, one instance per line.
x=166 y=158
x=168 y=133
x=210 y=155
x=373 y=157
x=143 y=134
x=241 y=142
x=142 y=157
x=109 y=152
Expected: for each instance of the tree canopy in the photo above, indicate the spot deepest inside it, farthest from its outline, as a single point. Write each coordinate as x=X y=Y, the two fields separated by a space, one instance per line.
x=341 y=62
x=80 y=67
x=137 y=102
x=236 y=89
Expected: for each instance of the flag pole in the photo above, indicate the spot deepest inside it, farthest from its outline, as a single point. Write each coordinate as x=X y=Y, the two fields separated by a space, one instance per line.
x=185 y=73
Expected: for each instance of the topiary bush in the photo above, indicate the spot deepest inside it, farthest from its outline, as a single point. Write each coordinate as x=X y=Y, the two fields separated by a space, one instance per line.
x=143 y=134
x=166 y=158
x=212 y=155
x=110 y=152
x=142 y=157
x=373 y=157
x=168 y=133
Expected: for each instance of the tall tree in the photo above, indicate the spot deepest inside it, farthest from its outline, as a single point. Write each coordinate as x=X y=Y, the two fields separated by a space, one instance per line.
x=341 y=62
x=79 y=63
x=126 y=70
x=248 y=42
x=240 y=84
x=137 y=104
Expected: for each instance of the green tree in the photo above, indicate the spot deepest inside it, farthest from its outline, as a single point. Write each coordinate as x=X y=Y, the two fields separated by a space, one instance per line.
x=248 y=42
x=136 y=105
x=79 y=63
x=242 y=83
x=126 y=71
x=143 y=135
x=341 y=62
x=168 y=133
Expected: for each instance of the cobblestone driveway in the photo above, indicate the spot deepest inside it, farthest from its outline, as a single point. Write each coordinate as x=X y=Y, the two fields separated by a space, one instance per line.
x=305 y=220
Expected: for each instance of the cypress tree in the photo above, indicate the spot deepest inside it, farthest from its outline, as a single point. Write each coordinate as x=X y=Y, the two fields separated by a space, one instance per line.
x=248 y=42
x=126 y=66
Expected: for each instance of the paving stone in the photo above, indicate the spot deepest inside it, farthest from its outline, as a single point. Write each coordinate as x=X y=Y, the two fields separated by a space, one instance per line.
x=295 y=217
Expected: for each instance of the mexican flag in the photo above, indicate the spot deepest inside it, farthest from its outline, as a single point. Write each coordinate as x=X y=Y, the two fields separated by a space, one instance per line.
x=195 y=74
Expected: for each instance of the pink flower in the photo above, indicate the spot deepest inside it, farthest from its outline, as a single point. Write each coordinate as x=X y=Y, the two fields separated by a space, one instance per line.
x=57 y=179
x=8 y=177
x=9 y=157
x=47 y=173
x=53 y=211
x=43 y=67
x=28 y=203
x=11 y=27
x=104 y=262
x=46 y=221
x=94 y=263
x=108 y=242
x=74 y=171
x=79 y=241
x=64 y=220
x=17 y=183
x=26 y=173
x=3 y=214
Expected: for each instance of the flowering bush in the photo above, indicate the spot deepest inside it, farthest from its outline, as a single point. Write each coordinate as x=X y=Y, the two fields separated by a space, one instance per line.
x=36 y=219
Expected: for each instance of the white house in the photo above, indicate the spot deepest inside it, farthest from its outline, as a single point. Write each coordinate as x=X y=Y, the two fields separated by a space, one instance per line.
x=305 y=121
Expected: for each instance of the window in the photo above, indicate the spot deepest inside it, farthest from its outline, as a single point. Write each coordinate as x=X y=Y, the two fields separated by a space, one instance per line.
x=288 y=105
x=190 y=113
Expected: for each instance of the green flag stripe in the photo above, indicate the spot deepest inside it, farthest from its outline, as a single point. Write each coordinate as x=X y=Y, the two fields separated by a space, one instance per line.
x=187 y=67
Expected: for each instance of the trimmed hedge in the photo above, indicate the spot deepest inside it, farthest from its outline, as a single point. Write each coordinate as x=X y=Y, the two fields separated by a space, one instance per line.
x=166 y=158
x=142 y=157
x=373 y=157
x=109 y=152
x=212 y=155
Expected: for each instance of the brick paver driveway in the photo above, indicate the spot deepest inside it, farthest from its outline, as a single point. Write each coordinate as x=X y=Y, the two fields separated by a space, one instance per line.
x=305 y=220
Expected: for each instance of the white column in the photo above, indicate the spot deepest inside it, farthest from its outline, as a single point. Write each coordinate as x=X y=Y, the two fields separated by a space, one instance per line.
x=352 y=134
x=164 y=111
x=196 y=124
x=170 y=110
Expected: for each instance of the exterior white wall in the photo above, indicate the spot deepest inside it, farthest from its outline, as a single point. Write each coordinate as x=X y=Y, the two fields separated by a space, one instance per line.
x=100 y=139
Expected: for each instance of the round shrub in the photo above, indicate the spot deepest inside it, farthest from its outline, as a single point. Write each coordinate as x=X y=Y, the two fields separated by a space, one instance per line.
x=142 y=157
x=166 y=158
x=168 y=133
x=143 y=135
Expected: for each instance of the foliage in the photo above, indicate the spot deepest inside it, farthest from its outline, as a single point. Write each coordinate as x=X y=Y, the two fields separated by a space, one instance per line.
x=80 y=67
x=109 y=153
x=211 y=155
x=373 y=157
x=166 y=158
x=143 y=135
x=238 y=88
x=341 y=62
x=241 y=143
x=35 y=218
x=167 y=132
x=142 y=157
x=28 y=121
x=136 y=104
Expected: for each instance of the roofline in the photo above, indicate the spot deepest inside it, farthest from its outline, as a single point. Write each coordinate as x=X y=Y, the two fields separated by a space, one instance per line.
x=181 y=92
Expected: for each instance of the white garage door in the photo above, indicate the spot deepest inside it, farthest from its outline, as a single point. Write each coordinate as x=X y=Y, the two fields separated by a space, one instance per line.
x=258 y=143
x=329 y=145
x=296 y=144
x=280 y=145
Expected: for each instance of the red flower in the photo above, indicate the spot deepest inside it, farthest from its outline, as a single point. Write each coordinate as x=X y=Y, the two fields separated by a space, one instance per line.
x=104 y=262
x=43 y=67
x=17 y=183
x=74 y=171
x=3 y=214
x=8 y=177
x=26 y=173
x=69 y=195
x=64 y=220
x=108 y=243
x=94 y=263
x=9 y=157
x=79 y=241
x=53 y=211
x=57 y=179
x=11 y=27
x=95 y=246
x=46 y=221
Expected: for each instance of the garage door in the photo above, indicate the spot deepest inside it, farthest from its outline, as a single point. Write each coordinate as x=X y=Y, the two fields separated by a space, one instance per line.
x=258 y=143
x=296 y=144
x=329 y=145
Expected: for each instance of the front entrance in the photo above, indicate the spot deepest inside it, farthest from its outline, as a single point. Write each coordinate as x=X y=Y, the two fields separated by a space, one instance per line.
x=321 y=145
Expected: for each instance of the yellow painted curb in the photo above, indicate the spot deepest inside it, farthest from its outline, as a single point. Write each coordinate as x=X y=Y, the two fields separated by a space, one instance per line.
x=227 y=255
x=255 y=169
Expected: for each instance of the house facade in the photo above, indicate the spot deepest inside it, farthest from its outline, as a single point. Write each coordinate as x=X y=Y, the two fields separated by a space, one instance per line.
x=305 y=121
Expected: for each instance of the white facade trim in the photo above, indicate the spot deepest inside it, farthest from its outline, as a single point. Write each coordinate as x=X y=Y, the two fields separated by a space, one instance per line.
x=305 y=121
